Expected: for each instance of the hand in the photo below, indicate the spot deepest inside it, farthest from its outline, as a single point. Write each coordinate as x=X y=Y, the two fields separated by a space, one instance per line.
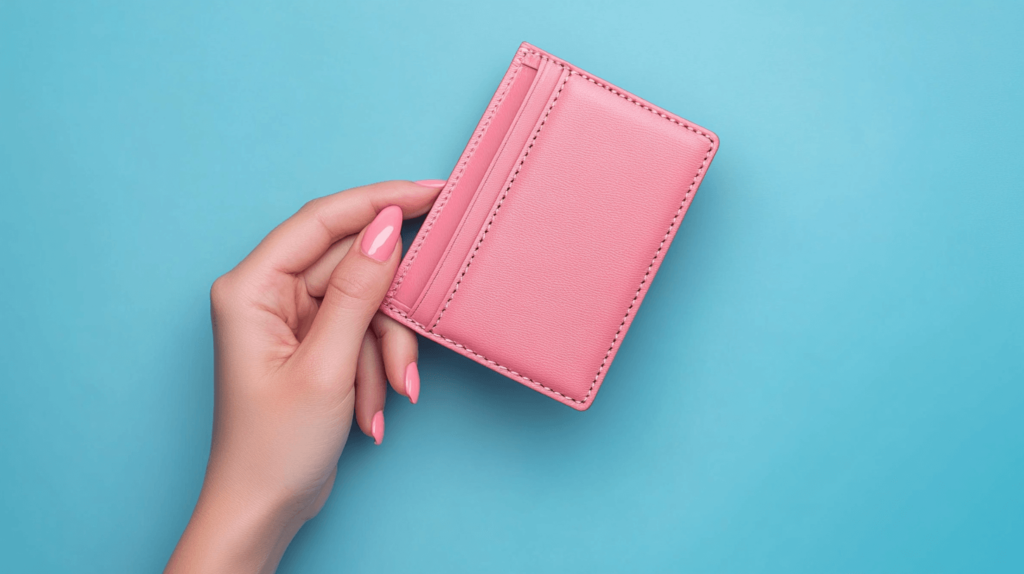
x=299 y=348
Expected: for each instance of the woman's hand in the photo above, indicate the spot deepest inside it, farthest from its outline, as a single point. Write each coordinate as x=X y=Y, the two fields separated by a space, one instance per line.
x=299 y=348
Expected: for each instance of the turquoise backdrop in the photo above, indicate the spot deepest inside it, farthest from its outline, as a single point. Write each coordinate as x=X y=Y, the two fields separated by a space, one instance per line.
x=827 y=374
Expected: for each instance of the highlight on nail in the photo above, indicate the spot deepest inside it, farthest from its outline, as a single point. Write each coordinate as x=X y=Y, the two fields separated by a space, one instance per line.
x=377 y=427
x=435 y=183
x=412 y=382
x=382 y=233
x=382 y=236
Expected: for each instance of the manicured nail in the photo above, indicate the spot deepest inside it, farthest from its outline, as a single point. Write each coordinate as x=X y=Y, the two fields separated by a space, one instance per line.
x=377 y=427
x=382 y=233
x=412 y=382
x=435 y=183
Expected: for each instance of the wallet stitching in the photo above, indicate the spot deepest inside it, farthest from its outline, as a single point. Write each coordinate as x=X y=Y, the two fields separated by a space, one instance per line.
x=429 y=333
x=463 y=228
x=668 y=232
x=415 y=249
x=504 y=194
x=625 y=97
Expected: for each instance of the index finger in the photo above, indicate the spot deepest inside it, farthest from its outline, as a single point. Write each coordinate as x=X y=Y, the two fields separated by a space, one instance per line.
x=304 y=237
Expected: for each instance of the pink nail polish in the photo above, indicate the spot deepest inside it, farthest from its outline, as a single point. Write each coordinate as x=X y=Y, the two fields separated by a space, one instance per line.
x=435 y=183
x=412 y=382
x=382 y=233
x=377 y=427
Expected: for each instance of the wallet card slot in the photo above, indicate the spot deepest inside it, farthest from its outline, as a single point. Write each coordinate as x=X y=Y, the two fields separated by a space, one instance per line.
x=494 y=178
x=463 y=182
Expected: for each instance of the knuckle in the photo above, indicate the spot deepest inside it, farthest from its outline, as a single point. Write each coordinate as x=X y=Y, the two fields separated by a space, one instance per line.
x=219 y=291
x=318 y=379
x=354 y=285
x=311 y=205
x=224 y=293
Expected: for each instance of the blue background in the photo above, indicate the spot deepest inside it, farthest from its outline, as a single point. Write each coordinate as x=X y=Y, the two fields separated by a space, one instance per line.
x=826 y=376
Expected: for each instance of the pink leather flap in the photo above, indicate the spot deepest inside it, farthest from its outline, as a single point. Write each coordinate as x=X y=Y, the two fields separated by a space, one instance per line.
x=552 y=250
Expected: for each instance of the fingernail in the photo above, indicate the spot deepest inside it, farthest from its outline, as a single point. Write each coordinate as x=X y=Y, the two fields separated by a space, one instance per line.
x=435 y=183
x=382 y=233
x=412 y=382
x=377 y=427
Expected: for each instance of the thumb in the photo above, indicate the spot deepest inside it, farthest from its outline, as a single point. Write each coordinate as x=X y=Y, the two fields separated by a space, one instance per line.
x=355 y=290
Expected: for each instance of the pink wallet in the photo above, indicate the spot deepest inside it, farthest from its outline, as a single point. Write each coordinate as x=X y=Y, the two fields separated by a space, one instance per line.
x=540 y=248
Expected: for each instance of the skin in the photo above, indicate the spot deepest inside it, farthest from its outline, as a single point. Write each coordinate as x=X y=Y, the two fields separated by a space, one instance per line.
x=300 y=349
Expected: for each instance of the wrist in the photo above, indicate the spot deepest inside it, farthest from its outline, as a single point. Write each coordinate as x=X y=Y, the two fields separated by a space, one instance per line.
x=231 y=530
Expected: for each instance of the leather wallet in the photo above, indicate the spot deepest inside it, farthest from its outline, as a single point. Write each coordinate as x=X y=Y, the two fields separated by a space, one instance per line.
x=541 y=246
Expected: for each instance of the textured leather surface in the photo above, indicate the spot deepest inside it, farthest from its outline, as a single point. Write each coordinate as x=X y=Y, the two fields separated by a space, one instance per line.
x=539 y=250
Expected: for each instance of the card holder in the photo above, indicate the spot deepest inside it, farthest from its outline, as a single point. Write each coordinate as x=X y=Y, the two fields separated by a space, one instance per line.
x=540 y=248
